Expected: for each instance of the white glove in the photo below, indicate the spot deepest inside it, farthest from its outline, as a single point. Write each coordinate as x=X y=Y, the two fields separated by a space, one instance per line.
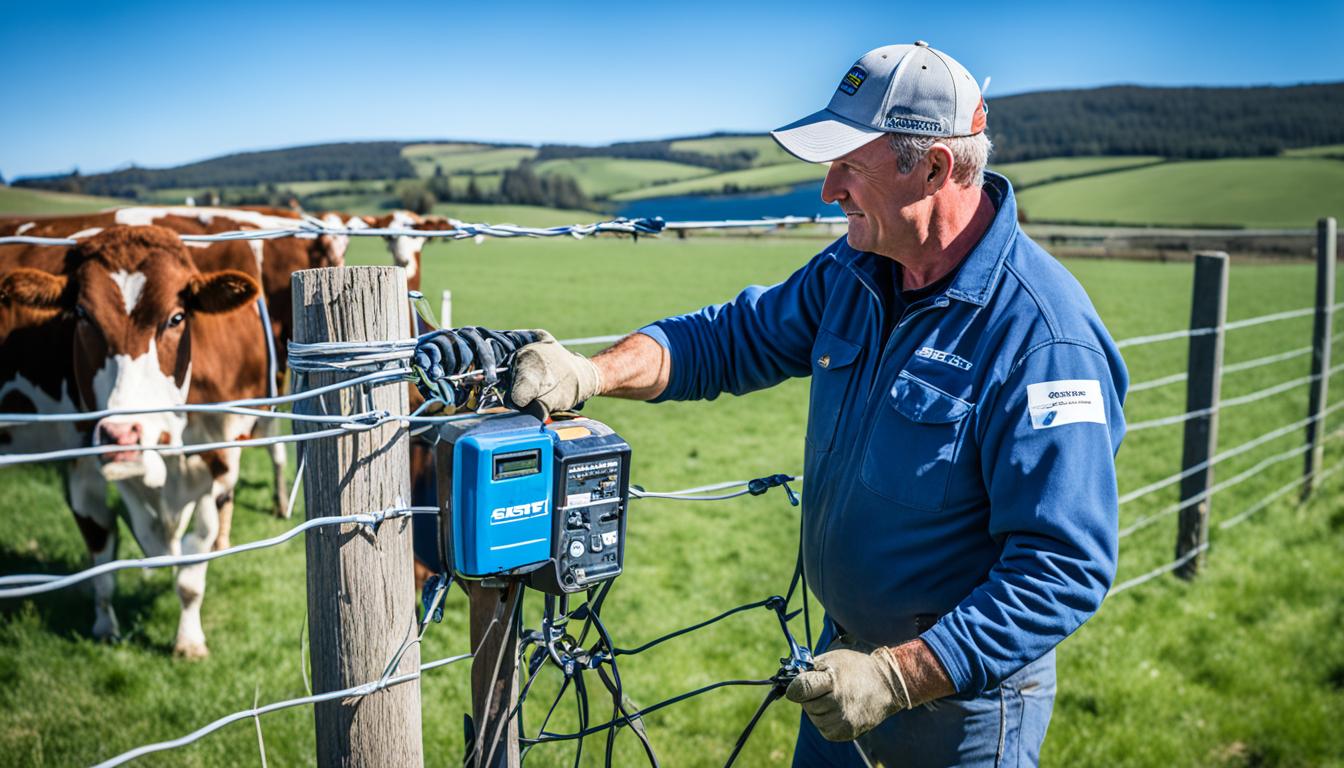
x=547 y=377
x=847 y=693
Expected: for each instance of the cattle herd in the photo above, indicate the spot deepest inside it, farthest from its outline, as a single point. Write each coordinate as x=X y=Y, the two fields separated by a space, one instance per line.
x=133 y=317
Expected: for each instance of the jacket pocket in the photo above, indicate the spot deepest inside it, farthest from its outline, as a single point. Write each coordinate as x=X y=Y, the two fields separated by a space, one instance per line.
x=913 y=444
x=832 y=375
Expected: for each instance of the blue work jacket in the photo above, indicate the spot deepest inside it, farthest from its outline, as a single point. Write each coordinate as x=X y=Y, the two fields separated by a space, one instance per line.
x=960 y=478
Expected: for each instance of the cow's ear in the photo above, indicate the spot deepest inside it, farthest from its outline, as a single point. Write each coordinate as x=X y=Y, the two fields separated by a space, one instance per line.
x=33 y=288
x=221 y=291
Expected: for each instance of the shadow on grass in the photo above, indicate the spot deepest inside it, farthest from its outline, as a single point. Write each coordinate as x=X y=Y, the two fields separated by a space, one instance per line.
x=68 y=612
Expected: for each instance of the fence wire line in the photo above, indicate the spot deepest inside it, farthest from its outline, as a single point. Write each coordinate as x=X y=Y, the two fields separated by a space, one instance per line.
x=1235 y=325
x=1233 y=368
x=1232 y=402
x=311 y=228
x=1233 y=521
x=357 y=691
x=23 y=585
x=1209 y=492
x=1223 y=456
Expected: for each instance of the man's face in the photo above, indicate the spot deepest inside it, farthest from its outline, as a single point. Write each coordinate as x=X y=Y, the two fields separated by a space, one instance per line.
x=883 y=205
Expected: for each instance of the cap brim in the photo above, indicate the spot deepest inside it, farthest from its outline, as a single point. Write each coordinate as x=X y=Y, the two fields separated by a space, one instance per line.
x=823 y=136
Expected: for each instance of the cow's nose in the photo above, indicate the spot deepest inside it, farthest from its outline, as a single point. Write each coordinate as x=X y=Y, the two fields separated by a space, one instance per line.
x=118 y=433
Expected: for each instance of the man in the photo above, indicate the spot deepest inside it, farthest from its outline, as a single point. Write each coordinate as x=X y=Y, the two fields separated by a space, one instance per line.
x=960 y=503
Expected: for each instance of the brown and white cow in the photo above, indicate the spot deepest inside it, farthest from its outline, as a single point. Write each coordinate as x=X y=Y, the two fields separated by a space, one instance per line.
x=275 y=261
x=147 y=326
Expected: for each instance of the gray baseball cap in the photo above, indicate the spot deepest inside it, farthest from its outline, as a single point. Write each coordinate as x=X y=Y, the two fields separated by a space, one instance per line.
x=894 y=89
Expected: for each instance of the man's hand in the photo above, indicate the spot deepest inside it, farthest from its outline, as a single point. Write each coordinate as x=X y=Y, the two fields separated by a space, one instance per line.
x=847 y=693
x=547 y=377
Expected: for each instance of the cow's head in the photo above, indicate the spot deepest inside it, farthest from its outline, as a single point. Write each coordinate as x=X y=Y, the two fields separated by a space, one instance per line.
x=133 y=292
x=405 y=249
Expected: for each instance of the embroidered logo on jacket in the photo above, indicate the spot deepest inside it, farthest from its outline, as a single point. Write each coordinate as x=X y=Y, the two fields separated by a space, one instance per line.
x=929 y=353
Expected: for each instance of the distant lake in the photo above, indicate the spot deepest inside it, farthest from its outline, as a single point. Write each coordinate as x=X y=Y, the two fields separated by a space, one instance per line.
x=802 y=200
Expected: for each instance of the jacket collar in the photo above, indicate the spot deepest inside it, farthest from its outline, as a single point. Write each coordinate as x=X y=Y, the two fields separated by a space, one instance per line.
x=980 y=270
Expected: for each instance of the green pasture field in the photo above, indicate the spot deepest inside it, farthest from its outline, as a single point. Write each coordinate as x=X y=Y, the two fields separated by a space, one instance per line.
x=767 y=151
x=1032 y=172
x=1335 y=151
x=19 y=202
x=1250 y=192
x=1243 y=667
x=604 y=176
x=767 y=177
x=457 y=158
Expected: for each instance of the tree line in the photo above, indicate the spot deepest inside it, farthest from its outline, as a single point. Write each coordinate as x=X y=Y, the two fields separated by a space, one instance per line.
x=1193 y=123
x=652 y=150
x=517 y=186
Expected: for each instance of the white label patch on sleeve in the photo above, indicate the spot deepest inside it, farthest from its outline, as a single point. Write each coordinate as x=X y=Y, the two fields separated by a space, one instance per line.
x=1068 y=401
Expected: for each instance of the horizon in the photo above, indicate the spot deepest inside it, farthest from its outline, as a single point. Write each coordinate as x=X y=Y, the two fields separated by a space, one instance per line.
x=133 y=87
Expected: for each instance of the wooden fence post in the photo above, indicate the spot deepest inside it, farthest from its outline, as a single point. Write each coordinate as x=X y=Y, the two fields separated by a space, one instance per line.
x=1208 y=309
x=446 y=309
x=361 y=590
x=1321 y=339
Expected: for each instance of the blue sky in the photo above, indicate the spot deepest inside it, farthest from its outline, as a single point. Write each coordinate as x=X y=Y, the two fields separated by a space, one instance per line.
x=96 y=85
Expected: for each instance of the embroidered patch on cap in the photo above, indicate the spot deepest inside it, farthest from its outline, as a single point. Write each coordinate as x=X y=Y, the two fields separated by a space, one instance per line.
x=1068 y=401
x=853 y=79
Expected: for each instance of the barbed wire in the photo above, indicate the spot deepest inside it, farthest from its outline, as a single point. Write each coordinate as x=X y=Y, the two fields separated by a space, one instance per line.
x=310 y=228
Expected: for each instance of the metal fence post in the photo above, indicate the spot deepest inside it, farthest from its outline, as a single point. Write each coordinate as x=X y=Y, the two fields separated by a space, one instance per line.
x=1321 y=339
x=361 y=591
x=1208 y=310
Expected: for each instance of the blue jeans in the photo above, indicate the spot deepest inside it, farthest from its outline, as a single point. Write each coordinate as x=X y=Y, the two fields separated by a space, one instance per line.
x=1000 y=728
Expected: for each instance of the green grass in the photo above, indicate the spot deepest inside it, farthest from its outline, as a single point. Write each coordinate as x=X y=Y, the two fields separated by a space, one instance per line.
x=604 y=176
x=459 y=158
x=1241 y=667
x=18 y=201
x=1034 y=172
x=768 y=177
x=768 y=152
x=1259 y=192
x=1328 y=150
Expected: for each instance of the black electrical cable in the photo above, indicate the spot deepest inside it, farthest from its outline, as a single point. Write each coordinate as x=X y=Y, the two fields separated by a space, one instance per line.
x=580 y=734
x=692 y=628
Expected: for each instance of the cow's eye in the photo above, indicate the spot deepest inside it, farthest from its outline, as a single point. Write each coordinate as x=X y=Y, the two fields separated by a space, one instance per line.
x=81 y=312
x=176 y=320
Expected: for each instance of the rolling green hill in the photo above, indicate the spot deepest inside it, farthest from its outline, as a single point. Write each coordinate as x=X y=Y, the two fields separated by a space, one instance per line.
x=604 y=176
x=1033 y=172
x=767 y=177
x=460 y=158
x=767 y=151
x=1253 y=192
x=18 y=201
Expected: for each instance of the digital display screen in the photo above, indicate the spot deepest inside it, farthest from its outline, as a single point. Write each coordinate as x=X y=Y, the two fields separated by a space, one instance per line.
x=517 y=464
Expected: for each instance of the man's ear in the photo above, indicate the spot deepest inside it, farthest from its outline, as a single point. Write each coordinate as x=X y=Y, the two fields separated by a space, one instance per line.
x=221 y=291
x=33 y=288
x=940 y=166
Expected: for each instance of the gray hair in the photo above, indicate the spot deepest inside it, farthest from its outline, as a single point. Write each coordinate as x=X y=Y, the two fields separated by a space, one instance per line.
x=970 y=154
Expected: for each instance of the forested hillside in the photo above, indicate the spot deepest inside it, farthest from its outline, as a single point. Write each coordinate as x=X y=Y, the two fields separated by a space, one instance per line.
x=1170 y=123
